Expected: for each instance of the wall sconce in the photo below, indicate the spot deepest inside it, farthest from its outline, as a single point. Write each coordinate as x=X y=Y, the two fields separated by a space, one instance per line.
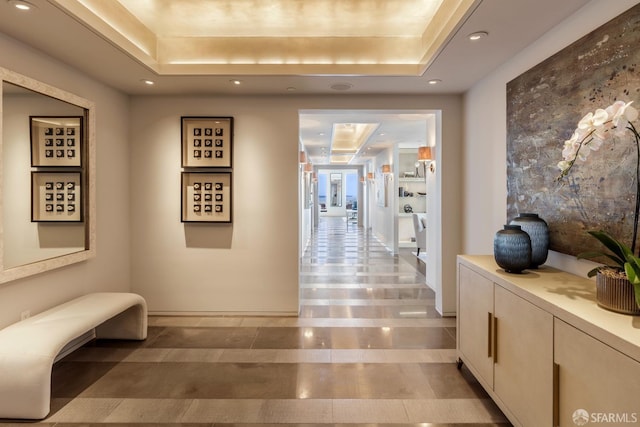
x=308 y=167
x=386 y=173
x=362 y=180
x=314 y=177
x=302 y=157
x=425 y=154
x=370 y=176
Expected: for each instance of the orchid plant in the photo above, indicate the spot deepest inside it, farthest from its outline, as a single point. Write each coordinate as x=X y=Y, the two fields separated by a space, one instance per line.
x=595 y=129
x=592 y=132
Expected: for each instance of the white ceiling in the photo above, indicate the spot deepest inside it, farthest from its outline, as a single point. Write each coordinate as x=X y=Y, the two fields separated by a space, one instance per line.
x=459 y=63
x=402 y=128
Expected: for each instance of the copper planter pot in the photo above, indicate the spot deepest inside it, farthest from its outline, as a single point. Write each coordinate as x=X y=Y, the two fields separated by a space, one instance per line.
x=616 y=294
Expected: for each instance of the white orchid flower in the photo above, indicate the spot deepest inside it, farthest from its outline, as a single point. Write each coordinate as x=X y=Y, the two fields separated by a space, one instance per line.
x=593 y=120
x=622 y=115
x=563 y=165
x=594 y=129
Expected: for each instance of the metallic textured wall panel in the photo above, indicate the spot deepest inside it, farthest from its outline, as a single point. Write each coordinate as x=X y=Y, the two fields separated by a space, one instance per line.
x=544 y=106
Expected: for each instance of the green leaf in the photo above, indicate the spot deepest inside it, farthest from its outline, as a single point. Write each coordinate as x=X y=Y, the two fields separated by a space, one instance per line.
x=631 y=274
x=619 y=250
x=632 y=269
x=593 y=272
x=588 y=255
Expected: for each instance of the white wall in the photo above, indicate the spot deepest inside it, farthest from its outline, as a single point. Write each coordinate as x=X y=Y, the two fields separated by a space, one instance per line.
x=442 y=245
x=485 y=179
x=250 y=266
x=305 y=190
x=109 y=271
x=383 y=217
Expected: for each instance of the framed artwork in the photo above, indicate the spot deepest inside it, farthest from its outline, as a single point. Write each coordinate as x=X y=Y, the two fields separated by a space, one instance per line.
x=56 y=141
x=56 y=197
x=207 y=142
x=206 y=197
x=382 y=190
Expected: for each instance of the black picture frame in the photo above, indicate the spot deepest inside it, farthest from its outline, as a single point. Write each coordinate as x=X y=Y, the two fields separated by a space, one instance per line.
x=56 y=196
x=207 y=142
x=56 y=141
x=206 y=196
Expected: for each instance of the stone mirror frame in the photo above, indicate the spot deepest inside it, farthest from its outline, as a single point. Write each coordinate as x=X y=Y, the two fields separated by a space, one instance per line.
x=28 y=248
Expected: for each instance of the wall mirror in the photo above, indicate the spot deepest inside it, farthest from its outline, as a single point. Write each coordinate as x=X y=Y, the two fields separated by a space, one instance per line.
x=29 y=246
x=336 y=189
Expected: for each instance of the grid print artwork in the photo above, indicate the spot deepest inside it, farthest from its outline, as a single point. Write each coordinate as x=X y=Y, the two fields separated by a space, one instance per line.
x=206 y=197
x=56 y=141
x=207 y=142
x=56 y=196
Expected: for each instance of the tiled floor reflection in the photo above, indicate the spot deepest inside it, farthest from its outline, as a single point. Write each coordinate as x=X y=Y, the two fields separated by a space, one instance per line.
x=368 y=349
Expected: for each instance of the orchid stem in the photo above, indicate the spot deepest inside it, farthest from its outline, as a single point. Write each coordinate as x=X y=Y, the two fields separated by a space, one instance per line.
x=575 y=157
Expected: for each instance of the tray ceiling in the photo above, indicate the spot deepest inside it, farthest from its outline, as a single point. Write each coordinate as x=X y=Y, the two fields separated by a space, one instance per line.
x=329 y=37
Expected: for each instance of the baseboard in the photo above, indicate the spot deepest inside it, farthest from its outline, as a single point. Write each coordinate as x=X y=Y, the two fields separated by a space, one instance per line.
x=225 y=313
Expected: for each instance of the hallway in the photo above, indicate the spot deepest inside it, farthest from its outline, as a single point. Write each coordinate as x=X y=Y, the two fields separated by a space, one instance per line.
x=368 y=348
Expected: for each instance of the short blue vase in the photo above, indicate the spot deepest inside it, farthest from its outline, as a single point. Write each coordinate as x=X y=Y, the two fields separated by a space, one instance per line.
x=512 y=249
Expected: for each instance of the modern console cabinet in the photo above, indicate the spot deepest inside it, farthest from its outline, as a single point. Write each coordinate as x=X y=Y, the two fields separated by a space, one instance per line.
x=543 y=349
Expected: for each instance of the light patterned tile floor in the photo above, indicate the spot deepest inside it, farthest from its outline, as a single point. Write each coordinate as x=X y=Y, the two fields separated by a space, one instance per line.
x=368 y=349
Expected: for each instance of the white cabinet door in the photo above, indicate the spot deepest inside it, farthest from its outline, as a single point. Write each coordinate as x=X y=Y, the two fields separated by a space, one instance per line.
x=595 y=381
x=475 y=309
x=523 y=360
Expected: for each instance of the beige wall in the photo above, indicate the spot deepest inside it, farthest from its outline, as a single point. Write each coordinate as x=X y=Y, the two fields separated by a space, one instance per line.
x=109 y=271
x=251 y=266
x=484 y=166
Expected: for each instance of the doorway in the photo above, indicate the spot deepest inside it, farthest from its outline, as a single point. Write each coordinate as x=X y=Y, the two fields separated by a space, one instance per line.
x=337 y=191
x=392 y=130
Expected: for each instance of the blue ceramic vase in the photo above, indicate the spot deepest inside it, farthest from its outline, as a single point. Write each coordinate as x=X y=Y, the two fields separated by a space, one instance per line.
x=512 y=249
x=538 y=232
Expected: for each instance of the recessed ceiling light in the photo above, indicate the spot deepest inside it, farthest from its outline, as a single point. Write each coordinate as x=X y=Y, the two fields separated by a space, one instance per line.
x=236 y=82
x=291 y=89
x=148 y=82
x=477 y=35
x=22 y=5
x=434 y=81
x=341 y=86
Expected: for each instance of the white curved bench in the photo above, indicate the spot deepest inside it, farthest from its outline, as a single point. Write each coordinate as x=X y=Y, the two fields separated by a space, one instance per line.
x=28 y=348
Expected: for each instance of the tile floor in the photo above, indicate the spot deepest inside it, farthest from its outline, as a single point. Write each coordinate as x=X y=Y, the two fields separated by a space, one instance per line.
x=367 y=349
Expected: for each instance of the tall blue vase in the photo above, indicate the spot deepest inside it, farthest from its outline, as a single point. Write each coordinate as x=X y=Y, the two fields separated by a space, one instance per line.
x=512 y=249
x=538 y=232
